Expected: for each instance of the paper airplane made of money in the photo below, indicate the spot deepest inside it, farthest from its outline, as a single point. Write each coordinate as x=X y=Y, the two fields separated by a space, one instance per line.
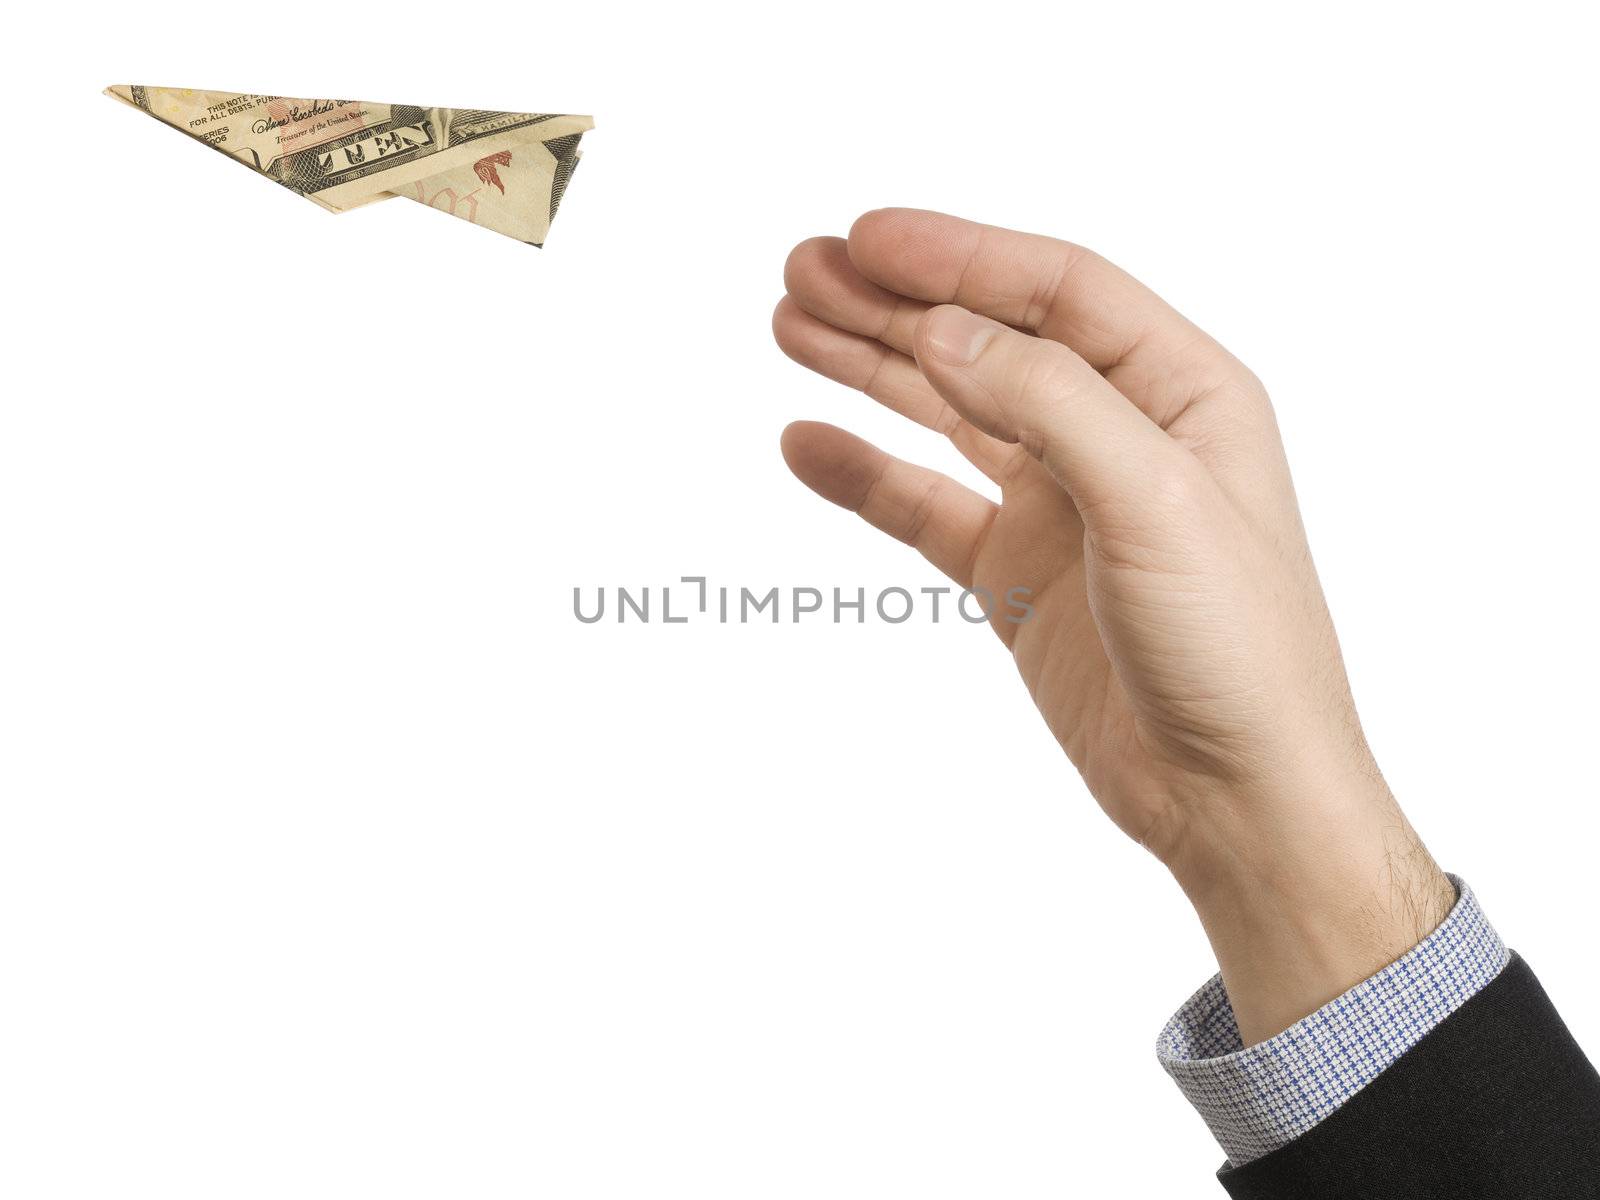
x=505 y=171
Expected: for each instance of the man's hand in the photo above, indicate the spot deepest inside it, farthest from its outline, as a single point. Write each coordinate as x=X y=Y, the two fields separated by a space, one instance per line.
x=1179 y=648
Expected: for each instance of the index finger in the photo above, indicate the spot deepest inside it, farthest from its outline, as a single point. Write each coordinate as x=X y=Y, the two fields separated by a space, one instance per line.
x=1050 y=287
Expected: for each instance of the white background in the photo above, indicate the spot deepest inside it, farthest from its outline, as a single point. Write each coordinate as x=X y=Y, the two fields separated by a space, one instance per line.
x=339 y=860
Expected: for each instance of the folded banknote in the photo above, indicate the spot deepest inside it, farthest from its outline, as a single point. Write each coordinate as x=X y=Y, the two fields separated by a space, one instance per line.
x=506 y=171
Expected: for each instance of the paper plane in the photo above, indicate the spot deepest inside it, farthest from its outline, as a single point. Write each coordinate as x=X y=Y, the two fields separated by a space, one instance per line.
x=505 y=171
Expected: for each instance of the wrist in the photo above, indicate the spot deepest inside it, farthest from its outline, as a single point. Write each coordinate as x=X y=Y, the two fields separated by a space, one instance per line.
x=1303 y=898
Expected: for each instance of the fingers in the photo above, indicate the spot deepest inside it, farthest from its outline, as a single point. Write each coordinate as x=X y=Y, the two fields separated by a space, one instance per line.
x=889 y=377
x=922 y=508
x=1054 y=288
x=1057 y=407
x=1103 y=450
x=820 y=277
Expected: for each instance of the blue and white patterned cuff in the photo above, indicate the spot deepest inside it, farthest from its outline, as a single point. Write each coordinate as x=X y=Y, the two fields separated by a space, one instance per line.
x=1260 y=1097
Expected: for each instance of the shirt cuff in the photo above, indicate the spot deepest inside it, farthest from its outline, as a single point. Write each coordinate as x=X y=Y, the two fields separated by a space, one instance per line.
x=1260 y=1097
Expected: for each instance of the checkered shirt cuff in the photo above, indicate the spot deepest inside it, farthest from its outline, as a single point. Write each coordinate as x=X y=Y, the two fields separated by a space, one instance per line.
x=1260 y=1097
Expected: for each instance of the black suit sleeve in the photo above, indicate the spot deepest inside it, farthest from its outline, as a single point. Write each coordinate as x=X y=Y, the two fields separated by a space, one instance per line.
x=1496 y=1103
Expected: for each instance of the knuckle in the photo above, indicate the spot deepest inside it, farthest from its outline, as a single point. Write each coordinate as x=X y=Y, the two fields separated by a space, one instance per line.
x=1067 y=259
x=1043 y=372
x=1178 y=488
x=873 y=385
x=948 y=423
x=867 y=496
x=899 y=317
x=922 y=510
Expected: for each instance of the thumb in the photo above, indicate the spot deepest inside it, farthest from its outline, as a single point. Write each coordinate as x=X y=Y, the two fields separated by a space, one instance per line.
x=1037 y=393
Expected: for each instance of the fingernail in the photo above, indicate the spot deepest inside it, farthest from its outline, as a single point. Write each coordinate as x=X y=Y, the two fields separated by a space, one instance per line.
x=956 y=336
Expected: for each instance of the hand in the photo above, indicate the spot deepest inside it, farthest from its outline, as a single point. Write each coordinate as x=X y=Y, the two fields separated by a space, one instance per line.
x=1179 y=647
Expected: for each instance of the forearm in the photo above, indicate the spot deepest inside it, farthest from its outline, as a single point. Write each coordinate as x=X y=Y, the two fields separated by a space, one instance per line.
x=1307 y=898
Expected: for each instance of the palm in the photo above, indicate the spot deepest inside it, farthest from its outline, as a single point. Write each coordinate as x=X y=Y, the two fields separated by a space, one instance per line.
x=1037 y=542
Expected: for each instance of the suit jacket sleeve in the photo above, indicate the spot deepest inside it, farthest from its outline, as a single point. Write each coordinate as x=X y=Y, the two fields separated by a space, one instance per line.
x=1496 y=1101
